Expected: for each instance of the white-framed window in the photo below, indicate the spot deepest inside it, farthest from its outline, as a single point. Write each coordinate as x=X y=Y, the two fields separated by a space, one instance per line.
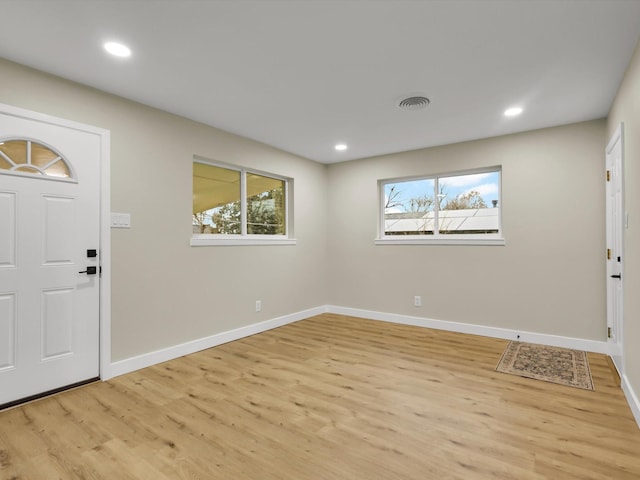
x=451 y=208
x=27 y=157
x=239 y=206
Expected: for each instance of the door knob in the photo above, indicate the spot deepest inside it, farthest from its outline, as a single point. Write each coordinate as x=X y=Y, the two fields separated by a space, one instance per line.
x=617 y=276
x=90 y=270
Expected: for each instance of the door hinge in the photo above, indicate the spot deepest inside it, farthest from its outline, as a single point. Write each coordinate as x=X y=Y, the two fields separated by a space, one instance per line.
x=608 y=175
x=608 y=254
x=608 y=332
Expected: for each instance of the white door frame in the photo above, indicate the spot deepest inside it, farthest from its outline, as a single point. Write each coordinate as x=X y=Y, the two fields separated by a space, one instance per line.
x=105 y=215
x=615 y=225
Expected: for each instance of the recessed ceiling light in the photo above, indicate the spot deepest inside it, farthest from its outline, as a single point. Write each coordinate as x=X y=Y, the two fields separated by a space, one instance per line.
x=117 y=49
x=340 y=147
x=512 y=112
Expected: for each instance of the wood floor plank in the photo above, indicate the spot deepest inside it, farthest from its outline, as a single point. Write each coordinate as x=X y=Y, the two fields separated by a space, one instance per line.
x=330 y=397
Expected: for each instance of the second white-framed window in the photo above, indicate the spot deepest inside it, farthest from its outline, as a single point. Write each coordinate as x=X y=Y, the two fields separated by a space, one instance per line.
x=235 y=205
x=457 y=207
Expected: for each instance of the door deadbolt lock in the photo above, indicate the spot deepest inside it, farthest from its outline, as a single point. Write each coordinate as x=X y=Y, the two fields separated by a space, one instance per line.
x=90 y=270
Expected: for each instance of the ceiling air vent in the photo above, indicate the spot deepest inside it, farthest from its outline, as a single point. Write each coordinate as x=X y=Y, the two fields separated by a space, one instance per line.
x=413 y=103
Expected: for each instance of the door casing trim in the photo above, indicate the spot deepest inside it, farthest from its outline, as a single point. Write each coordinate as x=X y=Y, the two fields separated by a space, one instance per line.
x=617 y=348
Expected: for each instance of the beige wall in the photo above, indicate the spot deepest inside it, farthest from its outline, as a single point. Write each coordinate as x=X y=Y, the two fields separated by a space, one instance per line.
x=165 y=292
x=626 y=109
x=549 y=278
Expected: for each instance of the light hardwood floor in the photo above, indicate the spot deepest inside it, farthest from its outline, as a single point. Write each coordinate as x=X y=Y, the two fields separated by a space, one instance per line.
x=330 y=397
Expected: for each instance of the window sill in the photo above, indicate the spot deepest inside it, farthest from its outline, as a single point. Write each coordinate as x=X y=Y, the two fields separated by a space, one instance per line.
x=499 y=241
x=208 y=241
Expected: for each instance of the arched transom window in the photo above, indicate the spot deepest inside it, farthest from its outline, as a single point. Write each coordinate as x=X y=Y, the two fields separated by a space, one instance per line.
x=28 y=157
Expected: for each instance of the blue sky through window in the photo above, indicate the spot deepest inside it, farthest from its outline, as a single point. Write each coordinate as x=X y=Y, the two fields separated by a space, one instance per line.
x=487 y=184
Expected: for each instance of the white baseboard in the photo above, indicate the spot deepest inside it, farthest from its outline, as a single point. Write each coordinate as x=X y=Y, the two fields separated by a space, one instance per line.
x=617 y=363
x=632 y=398
x=152 y=358
x=521 y=336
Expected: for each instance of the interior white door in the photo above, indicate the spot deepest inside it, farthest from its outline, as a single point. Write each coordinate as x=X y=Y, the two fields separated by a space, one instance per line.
x=49 y=222
x=615 y=256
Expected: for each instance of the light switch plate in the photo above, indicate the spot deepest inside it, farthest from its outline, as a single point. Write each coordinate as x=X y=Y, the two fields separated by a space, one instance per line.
x=120 y=220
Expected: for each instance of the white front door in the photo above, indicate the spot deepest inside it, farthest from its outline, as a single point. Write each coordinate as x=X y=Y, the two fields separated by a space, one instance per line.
x=615 y=255
x=49 y=231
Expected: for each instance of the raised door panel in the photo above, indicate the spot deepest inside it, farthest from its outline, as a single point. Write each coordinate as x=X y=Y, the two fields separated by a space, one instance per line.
x=57 y=323
x=8 y=323
x=8 y=231
x=59 y=229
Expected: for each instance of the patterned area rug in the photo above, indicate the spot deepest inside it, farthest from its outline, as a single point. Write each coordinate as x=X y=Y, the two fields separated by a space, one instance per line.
x=551 y=364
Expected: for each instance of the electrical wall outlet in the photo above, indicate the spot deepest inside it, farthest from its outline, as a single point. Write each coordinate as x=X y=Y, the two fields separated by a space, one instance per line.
x=258 y=305
x=417 y=301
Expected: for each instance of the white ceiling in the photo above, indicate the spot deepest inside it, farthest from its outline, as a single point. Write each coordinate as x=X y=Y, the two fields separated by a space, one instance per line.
x=304 y=75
